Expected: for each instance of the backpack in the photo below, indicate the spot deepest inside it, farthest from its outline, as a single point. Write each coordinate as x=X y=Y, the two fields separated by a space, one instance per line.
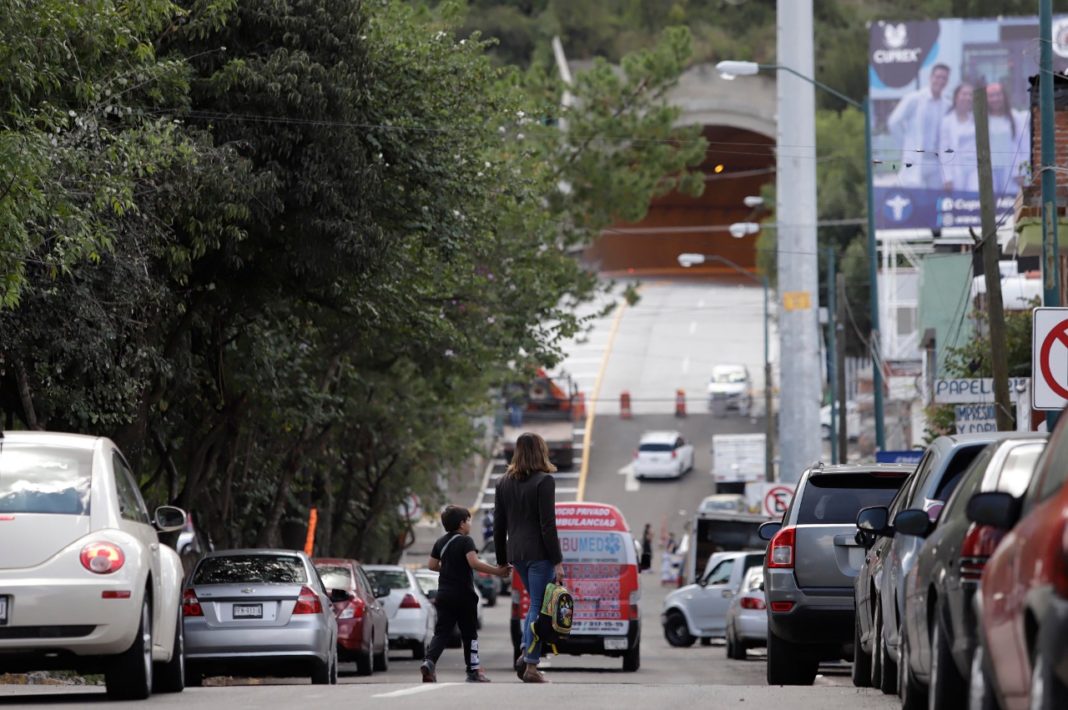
x=554 y=618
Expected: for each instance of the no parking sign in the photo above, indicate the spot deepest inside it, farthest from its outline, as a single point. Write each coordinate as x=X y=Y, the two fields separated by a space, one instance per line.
x=1049 y=358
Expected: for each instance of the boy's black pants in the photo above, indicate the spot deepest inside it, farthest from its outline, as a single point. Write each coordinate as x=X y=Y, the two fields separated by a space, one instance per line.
x=456 y=608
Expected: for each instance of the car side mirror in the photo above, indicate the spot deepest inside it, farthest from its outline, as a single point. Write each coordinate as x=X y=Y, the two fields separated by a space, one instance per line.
x=999 y=510
x=913 y=522
x=169 y=518
x=874 y=520
x=340 y=595
x=381 y=592
x=768 y=529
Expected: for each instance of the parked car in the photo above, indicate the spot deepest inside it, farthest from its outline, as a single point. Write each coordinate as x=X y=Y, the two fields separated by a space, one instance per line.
x=939 y=618
x=192 y=543
x=362 y=625
x=699 y=611
x=723 y=503
x=85 y=584
x=1022 y=659
x=411 y=613
x=662 y=454
x=852 y=420
x=747 y=616
x=261 y=612
x=428 y=582
x=880 y=585
x=489 y=555
x=812 y=560
x=730 y=388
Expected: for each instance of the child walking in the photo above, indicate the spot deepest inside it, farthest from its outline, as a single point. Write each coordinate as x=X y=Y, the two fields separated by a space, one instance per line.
x=455 y=556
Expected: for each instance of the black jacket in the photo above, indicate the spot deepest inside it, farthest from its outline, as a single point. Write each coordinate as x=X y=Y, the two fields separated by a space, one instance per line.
x=524 y=520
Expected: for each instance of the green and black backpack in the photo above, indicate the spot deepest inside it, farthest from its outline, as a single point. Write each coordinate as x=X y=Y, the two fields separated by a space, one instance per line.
x=555 y=617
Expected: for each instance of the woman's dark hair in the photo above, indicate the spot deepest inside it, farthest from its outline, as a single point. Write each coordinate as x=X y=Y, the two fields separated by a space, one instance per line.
x=453 y=516
x=531 y=456
x=956 y=92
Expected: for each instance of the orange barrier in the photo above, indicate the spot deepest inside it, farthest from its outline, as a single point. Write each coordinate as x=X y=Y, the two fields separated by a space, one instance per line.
x=680 y=403
x=624 y=405
x=309 y=542
x=579 y=410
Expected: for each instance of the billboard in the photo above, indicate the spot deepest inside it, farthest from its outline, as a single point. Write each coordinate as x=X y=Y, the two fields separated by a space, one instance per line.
x=922 y=77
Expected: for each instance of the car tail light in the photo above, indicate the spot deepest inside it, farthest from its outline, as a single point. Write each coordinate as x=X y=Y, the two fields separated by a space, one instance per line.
x=635 y=453
x=353 y=610
x=116 y=594
x=753 y=603
x=674 y=453
x=516 y=599
x=102 y=557
x=979 y=543
x=308 y=602
x=409 y=602
x=781 y=549
x=782 y=606
x=190 y=604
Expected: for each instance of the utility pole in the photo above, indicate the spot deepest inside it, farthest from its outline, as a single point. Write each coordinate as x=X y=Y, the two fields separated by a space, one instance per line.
x=839 y=355
x=999 y=355
x=800 y=378
x=832 y=352
x=1051 y=260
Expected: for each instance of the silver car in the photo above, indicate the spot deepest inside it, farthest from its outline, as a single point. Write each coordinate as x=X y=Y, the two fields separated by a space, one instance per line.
x=259 y=612
x=747 y=616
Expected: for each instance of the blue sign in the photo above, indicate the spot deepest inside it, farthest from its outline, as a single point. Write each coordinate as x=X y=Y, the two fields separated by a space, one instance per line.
x=912 y=456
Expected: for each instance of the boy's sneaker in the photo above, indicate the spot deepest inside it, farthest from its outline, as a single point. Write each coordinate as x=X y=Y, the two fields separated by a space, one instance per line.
x=427 y=669
x=477 y=676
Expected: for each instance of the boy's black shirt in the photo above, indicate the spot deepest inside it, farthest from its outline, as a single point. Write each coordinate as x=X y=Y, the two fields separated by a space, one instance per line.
x=455 y=574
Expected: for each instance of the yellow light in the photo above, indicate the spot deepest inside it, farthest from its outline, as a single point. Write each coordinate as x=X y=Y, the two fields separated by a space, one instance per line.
x=718 y=169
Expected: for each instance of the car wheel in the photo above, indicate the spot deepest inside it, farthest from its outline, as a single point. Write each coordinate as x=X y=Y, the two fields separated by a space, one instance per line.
x=913 y=695
x=193 y=678
x=325 y=672
x=169 y=677
x=735 y=648
x=946 y=689
x=419 y=651
x=706 y=640
x=980 y=686
x=676 y=632
x=382 y=659
x=491 y=598
x=632 y=659
x=861 y=661
x=364 y=663
x=788 y=664
x=883 y=668
x=1047 y=691
x=129 y=675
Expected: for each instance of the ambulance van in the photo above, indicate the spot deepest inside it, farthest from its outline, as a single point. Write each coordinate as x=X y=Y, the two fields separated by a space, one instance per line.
x=601 y=572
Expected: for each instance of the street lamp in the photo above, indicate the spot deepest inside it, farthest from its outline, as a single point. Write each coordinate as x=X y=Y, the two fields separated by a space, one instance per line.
x=689 y=259
x=753 y=201
x=743 y=229
x=731 y=69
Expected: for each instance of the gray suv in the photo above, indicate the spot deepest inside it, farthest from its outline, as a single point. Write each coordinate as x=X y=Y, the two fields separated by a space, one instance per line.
x=811 y=562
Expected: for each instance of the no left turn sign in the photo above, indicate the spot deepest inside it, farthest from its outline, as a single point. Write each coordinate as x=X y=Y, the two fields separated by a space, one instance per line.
x=1049 y=358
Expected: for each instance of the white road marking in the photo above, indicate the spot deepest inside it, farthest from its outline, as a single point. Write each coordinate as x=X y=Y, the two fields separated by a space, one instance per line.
x=627 y=470
x=415 y=690
x=686 y=365
x=701 y=303
x=693 y=327
x=632 y=485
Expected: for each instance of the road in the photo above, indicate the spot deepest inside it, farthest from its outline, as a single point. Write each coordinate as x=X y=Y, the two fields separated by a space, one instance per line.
x=667 y=341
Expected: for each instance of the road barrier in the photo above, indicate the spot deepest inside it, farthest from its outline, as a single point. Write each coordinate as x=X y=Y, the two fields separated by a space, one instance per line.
x=624 y=405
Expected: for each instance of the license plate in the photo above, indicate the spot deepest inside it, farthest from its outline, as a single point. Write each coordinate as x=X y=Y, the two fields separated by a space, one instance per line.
x=3 y=610
x=615 y=644
x=248 y=611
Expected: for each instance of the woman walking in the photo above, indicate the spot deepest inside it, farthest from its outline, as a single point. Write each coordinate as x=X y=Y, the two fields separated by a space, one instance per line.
x=524 y=514
x=647 y=548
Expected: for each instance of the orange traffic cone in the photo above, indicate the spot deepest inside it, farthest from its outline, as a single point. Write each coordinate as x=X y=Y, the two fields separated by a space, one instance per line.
x=680 y=403
x=624 y=405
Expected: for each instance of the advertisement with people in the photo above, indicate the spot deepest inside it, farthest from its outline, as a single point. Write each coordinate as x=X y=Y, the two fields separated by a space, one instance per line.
x=923 y=77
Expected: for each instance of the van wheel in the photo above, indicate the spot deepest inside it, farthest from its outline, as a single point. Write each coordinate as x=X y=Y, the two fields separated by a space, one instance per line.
x=169 y=677
x=788 y=664
x=861 y=661
x=129 y=675
x=946 y=690
x=676 y=632
x=632 y=659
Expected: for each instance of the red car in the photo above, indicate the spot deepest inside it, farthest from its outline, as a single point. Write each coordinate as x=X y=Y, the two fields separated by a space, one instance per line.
x=1022 y=659
x=362 y=623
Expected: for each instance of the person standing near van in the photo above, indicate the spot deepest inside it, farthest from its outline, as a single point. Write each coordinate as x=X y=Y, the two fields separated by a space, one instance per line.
x=647 y=548
x=524 y=514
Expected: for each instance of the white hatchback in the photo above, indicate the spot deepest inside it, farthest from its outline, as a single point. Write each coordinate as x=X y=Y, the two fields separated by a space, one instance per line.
x=85 y=584
x=662 y=454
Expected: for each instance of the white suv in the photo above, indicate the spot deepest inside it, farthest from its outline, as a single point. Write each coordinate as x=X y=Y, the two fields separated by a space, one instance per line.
x=85 y=584
x=662 y=454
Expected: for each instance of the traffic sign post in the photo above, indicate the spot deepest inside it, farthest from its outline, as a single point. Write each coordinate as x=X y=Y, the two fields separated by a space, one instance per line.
x=1049 y=358
x=777 y=500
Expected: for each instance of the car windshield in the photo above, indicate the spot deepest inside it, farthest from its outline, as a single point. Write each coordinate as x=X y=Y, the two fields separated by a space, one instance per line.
x=389 y=578
x=655 y=447
x=427 y=582
x=44 y=479
x=728 y=377
x=837 y=498
x=335 y=576
x=251 y=569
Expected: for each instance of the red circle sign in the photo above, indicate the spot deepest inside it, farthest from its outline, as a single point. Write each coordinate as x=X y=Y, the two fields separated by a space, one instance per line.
x=1059 y=333
x=777 y=500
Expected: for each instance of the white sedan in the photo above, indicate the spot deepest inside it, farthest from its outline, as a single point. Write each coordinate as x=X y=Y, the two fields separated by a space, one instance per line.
x=412 y=615
x=662 y=454
x=85 y=584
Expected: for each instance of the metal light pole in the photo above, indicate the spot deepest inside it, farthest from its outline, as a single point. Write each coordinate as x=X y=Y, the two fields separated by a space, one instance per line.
x=688 y=260
x=734 y=68
x=1051 y=261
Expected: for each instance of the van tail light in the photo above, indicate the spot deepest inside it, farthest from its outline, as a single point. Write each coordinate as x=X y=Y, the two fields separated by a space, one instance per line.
x=632 y=606
x=102 y=557
x=781 y=549
x=190 y=604
x=353 y=609
x=409 y=602
x=979 y=543
x=753 y=603
x=308 y=602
